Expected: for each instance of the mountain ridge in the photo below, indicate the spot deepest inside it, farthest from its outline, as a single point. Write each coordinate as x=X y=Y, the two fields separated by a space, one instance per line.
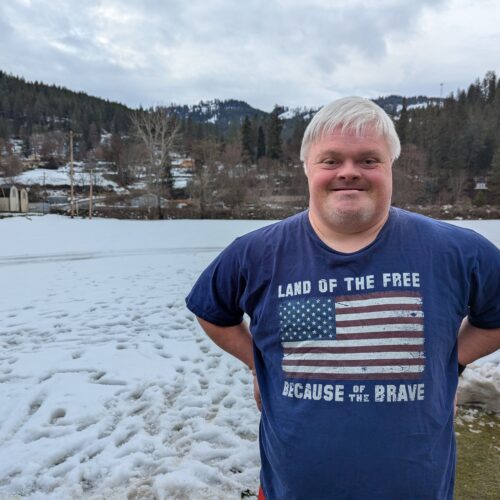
x=46 y=107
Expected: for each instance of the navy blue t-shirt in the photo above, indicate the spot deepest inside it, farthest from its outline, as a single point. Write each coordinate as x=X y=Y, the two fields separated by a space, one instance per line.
x=356 y=354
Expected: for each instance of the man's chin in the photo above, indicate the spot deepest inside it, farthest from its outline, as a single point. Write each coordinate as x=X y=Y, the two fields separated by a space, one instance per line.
x=349 y=218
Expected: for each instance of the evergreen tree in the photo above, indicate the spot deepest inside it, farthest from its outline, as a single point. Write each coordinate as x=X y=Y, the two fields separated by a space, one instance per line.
x=402 y=123
x=295 y=142
x=494 y=180
x=275 y=125
x=187 y=134
x=261 y=143
x=489 y=86
x=247 y=153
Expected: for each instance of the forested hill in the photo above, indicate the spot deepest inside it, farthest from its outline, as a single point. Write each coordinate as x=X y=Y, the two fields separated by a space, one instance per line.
x=449 y=149
x=221 y=112
x=450 y=146
x=34 y=107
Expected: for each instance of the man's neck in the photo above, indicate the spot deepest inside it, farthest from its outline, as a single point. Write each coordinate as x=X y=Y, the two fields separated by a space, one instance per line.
x=345 y=241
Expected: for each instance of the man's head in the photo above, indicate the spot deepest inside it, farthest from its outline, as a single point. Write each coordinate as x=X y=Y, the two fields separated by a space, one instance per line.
x=348 y=150
x=350 y=113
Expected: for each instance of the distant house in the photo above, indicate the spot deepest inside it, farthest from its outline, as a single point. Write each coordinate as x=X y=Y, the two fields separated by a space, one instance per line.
x=145 y=201
x=187 y=163
x=57 y=200
x=13 y=199
x=480 y=183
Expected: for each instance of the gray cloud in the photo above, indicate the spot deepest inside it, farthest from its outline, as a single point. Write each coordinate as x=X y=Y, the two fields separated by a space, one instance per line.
x=153 y=51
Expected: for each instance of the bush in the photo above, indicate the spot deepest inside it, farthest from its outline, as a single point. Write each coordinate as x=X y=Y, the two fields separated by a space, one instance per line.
x=479 y=199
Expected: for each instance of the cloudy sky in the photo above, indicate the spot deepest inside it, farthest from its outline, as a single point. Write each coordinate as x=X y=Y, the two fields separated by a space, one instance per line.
x=266 y=52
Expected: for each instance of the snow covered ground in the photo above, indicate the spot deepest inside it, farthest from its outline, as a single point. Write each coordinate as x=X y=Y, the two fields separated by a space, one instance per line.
x=61 y=177
x=108 y=388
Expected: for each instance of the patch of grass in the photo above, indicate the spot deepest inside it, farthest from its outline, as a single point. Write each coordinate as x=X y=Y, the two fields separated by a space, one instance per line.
x=478 y=460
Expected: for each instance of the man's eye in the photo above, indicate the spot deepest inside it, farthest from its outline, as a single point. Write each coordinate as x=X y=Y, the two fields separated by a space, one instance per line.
x=369 y=162
x=330 y=161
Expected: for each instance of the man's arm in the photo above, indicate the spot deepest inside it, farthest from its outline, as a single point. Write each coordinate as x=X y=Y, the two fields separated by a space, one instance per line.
x=474 y=343
x=237 y=341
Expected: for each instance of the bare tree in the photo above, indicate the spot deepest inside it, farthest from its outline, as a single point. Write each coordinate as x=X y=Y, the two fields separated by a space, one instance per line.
x=158 y=131
x=204 y=185
x=409 y=181
x=10 y=164
x=118 y=155
x=456 y=184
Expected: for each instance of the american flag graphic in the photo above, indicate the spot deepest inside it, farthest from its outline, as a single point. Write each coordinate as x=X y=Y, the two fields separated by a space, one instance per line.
x=375 y=336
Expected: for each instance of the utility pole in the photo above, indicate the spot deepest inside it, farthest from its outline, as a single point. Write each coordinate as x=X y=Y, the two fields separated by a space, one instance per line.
x=45 y=201
x=90 y=194
x=71 y=175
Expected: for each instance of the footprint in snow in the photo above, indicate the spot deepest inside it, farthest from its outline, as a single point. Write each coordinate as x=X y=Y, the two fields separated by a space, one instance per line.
x=57 y=414
x=138 y=410
x=204 y=348
x=213 y=363
x=35 y=406
x=97 y=376
x=124 y=437
x=85 y=424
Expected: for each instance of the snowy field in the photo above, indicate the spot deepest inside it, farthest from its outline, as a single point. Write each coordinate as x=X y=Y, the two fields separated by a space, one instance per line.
x=108 y=388
x=61 y=177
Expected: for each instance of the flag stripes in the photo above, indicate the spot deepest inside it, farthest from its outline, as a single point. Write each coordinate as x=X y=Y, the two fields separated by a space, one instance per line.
x=372 y=336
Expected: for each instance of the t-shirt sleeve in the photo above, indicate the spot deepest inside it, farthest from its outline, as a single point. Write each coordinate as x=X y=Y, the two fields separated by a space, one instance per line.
x=484 y=300
x=216 y=295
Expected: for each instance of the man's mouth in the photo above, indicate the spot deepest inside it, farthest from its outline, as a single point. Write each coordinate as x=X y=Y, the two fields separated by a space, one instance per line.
x=347 y=189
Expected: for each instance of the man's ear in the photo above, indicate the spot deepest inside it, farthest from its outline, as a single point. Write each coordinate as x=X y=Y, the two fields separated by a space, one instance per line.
x=305 y=168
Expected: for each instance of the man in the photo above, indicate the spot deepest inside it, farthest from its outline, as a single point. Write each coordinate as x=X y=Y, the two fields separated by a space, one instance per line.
x=355 y=310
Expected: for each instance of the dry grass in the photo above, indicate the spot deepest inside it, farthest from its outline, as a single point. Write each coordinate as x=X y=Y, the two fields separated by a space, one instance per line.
x=478 y=462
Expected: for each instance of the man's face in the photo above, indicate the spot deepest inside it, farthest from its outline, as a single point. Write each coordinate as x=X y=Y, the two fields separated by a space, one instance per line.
x=350 y=180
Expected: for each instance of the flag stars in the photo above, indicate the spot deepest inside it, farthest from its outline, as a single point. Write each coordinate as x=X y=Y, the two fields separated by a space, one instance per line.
x=304 y=319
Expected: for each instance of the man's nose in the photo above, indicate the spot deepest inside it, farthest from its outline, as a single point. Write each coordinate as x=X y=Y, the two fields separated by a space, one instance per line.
x=348 y=170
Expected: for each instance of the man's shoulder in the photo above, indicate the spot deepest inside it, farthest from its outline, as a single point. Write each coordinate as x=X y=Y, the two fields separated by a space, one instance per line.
x=273 y=232
x=443 y=232
x=258 y=246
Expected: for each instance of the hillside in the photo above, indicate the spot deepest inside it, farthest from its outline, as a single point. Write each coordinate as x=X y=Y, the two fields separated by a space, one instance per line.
x=238 y=157
x=29 y=107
